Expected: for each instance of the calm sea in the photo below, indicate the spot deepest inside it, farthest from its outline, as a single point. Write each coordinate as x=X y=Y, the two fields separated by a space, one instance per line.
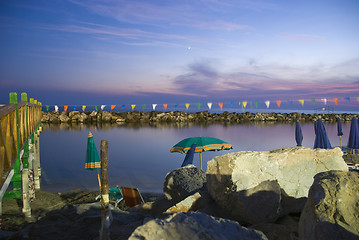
x=140 y=156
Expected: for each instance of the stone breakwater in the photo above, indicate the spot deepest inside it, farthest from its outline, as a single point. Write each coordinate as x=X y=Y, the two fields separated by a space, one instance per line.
x=178 y=116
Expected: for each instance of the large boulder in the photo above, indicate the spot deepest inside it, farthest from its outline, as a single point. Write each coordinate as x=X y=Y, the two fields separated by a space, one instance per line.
x=183 y=182
x=259 y=187
x=194 y=226
x=332 y=209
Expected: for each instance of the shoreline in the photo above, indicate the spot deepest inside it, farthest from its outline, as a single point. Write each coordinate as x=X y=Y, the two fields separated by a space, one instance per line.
x=179 y=117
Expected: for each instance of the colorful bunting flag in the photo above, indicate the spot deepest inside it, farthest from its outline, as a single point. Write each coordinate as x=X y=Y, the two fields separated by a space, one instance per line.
x=133 y=106
x=187 y=106
x=112 y=107
x=357 y=98
x=220 y=104
x=232 y=104
x=56 y=108
x=176 y=105
x=244 y=104
x=267 y=103
x=143 y=106
x=165 y=106
x=210 y=105
x=47 y=108
x=324 y=100
x=74 y=108
x=123 y=106
x=335 y=100
x=278 y=103
x=239 y=103
x=65 y=108
x=198 y=106
x=96 y=107
x=301 y=102
x=102 y=107
x=154 y=106
x=256 y=104
x=313 y=101
x=83 y=107
x=347 y=98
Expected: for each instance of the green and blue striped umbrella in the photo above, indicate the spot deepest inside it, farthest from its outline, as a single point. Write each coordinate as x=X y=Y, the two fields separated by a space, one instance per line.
x=93 y=161
x=203 y=144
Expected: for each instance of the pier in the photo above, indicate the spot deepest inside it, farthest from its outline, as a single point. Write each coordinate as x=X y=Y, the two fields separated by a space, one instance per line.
x=20 y=127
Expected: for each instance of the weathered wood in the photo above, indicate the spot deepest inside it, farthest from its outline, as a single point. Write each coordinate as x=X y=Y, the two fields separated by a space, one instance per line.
x=104 y=174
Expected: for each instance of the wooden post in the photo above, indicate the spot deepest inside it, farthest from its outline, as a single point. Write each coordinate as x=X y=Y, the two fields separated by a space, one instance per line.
x=36 y=161
x=26 y=209
x=106 y=216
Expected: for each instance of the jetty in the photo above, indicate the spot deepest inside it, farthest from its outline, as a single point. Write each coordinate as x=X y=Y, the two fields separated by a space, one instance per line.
x=20 y=127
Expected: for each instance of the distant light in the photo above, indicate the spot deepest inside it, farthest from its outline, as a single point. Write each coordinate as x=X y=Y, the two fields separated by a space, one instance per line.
x=323 y=109
x=189 y=47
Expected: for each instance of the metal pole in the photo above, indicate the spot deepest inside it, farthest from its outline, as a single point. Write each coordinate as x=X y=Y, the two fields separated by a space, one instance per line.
x=200 y=156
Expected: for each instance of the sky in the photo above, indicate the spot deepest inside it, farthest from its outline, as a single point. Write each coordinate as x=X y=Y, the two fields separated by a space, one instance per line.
x=173 y=51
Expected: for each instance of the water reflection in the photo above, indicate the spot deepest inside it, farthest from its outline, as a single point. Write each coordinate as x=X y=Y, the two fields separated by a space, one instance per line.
x=139 y=153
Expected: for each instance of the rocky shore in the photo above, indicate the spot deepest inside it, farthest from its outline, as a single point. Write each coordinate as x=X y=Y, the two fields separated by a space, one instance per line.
x=185 y=117
x=285 y=194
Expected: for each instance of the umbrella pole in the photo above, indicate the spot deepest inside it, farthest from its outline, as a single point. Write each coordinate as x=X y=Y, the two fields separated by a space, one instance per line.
x=99 y=181
x=340 y=138
x=200 y=157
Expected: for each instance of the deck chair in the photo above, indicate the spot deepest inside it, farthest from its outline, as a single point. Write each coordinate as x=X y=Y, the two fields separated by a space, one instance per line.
x=132 y=196
x=115 y=196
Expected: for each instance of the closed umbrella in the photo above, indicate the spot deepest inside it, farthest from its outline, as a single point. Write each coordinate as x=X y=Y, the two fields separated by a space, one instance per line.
x=340 y=131
x=298 y=134
x=203 y=144
x=93 y=161
x=353 y=141
x=321 y=137
x=189 y=156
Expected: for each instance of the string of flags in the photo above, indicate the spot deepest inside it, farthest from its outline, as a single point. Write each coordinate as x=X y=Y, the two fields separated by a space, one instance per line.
x=242 y=104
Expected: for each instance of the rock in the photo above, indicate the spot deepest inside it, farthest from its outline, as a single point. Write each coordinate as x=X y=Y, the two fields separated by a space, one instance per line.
x=63 y=118
x=185 y=205
x=332 y=209
x=183 y=182
x=106 y=116
x=194 y=226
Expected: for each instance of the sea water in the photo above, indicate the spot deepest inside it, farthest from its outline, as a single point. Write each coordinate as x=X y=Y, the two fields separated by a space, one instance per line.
x=140 y=156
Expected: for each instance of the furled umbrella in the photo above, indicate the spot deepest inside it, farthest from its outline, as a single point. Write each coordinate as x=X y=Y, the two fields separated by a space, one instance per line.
x=340 y=131
x=298 y=134
x=321 y=137
x=93 y=161
x=189 y=156
x=353 y=142
x=203 y=144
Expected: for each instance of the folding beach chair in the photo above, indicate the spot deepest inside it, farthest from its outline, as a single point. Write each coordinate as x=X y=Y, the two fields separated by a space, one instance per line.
x=115 y=196
x=132 y=196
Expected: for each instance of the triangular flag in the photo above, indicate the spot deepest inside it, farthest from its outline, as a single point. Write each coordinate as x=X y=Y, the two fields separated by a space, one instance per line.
x=324 y=100
x=113 y=106
x=239 y=103
x=143 y=106
x=301 y=102
x=267 y=103
x=278 y=103
x=133 y=106
x=244 y=104
x=103 y=106
x=232 y=104
x=56 y=108
x=256 y=104
x=165 y=106
x=47 y=108
x=210 y=105
x=74 y=108
x=123 y=106
x=176 y=105
x=96 y=107
x=65 y=108
x=198 y=106
x=347 y=98
x=357 y=98
x=154 y=106
x=313 y=101
x=220 y=104
x=187 y=106
x=335 y=100
x=83 y=107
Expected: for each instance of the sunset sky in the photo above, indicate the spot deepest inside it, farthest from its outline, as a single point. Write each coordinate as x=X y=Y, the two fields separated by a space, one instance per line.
x=173 y=51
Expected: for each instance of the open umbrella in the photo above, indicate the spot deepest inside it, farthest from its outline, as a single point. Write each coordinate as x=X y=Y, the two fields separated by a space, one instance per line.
x=203 y=144
x=189 y=156
x=298 y=134
x=321 y=137
x=93 y=161
x=340 y=131
x=353 y=141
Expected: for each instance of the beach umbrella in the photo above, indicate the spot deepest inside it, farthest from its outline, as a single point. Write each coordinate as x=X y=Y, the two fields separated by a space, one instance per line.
x=340 y=130
x=203 y=144
x=353 y=141
x=189 y=156
x=321 y=137
x=93 y=161
x=298 y=134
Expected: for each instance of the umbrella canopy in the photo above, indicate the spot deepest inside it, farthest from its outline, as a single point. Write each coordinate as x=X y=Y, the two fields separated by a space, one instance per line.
x=93 y=161
x=353 y=141
x=321 y=137
x=298 y=134
x=189 y=156
x=203 y=144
